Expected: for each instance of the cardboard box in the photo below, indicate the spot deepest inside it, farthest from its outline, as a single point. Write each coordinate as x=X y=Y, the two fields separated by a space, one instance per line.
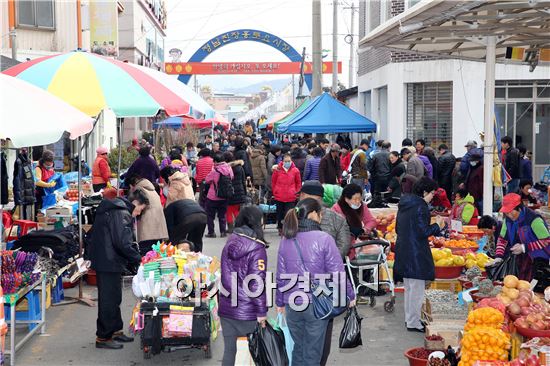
x=450 y=330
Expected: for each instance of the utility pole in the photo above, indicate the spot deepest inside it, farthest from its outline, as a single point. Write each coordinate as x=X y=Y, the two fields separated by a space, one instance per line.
x=13 y=40
x=334 y=46
x=351 y=49
x=316 y=49
x=196 y=87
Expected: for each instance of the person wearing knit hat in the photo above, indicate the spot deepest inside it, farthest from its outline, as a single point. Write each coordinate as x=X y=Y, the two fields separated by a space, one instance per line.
x=101 y=171
x=524 y=234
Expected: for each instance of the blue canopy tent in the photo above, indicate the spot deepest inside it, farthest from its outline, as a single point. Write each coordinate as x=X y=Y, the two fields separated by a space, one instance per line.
x=327 y=115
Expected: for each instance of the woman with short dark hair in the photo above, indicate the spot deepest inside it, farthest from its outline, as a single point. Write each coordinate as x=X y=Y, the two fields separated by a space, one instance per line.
x=43 y=173
x=355 y=211
x=413 y=259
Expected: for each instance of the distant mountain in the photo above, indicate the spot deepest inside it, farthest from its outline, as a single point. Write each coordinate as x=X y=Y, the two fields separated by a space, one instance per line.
x=276 y=85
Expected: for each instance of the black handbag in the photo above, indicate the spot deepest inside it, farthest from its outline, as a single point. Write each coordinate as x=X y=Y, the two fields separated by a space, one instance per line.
x=323 y=302
x=500 y=270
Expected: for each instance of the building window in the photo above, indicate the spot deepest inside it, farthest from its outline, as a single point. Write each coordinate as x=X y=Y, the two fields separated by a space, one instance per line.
x=429 y=112
x=36 y=13
x=411 y=3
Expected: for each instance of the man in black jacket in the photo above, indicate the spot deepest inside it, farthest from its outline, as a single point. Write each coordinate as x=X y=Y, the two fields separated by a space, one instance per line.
x=510 y=158
x=240 y=153
x=380 y=168
x=111 y=251
x=447 y=162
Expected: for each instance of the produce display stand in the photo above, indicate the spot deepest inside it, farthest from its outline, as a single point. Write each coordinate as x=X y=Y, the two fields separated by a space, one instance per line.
x=11 y=300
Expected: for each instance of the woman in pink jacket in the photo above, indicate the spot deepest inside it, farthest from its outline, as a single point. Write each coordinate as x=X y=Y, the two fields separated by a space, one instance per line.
x=285 y=183
x=355 y=211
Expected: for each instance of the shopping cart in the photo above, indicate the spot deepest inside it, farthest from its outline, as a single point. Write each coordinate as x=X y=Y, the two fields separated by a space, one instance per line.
x=371 y=264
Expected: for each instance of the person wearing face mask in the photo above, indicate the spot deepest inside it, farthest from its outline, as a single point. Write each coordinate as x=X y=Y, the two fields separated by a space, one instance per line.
x=151 y=224
x=43 y=172
x=355 y=211
x=285 y=183
x=413 y=259
x=524 y=234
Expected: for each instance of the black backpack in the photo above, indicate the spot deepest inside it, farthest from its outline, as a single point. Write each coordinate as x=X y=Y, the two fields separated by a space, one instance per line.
x=224 y=188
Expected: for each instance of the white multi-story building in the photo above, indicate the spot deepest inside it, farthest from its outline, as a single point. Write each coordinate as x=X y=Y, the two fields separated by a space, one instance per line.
x=442 y=99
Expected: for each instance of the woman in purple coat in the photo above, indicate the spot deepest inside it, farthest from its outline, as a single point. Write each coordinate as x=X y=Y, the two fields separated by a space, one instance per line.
x=321 y=258
x=244 y=255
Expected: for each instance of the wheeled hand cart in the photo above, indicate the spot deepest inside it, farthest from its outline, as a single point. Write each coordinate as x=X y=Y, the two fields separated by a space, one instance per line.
x=154 y=338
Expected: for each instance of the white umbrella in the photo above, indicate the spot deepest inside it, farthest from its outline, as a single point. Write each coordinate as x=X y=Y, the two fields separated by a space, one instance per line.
x=30 y=116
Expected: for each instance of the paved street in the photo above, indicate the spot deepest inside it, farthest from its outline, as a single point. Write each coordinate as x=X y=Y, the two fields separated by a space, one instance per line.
x=70 y=334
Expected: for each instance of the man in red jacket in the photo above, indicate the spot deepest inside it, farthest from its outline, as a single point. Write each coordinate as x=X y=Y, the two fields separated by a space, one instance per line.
x=286 y=182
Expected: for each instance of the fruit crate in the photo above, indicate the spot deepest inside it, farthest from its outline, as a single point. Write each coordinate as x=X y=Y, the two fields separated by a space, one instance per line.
x=452 y=285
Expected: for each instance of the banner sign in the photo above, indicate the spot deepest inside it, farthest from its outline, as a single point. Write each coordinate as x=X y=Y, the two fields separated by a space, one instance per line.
x=239 y=68
x=104 y=27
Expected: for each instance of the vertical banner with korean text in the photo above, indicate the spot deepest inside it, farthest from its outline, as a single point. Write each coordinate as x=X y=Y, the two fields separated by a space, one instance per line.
x=104 y=27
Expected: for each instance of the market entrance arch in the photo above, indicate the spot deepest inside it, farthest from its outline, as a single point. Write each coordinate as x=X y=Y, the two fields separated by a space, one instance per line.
x=234 y=36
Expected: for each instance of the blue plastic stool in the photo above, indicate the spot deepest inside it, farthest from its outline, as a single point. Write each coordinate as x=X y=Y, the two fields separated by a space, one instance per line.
x=32 y=312
x=58 y=294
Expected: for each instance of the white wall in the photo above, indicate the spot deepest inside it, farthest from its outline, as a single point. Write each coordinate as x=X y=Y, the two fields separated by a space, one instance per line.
x=33 y=43
x=468 y=80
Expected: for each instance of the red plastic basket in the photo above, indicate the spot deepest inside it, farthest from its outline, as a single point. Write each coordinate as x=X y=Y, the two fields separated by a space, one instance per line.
x=448 y=272
x=413 y=361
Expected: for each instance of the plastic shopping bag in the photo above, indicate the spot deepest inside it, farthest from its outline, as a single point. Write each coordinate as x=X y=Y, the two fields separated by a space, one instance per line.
x=267 y=346
x=500 y=270
x=243 y=356
x=289 y=342
x=350 y=337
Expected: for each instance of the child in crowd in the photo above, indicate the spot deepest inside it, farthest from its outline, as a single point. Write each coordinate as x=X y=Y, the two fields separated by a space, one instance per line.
x=464 y=208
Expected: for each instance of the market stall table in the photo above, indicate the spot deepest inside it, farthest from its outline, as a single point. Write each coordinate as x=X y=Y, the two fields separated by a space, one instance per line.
x=11 y=300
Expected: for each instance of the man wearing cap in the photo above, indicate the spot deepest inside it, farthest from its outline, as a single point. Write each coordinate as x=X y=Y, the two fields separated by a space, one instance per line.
x=329 y=167
x=337 y=227
x=474 y=180
x=471 y=148
x=524 y=234
x=101 y=172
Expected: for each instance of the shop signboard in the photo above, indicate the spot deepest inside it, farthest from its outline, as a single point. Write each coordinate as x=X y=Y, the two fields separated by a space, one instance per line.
x=220 y=68
x=104 y=27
